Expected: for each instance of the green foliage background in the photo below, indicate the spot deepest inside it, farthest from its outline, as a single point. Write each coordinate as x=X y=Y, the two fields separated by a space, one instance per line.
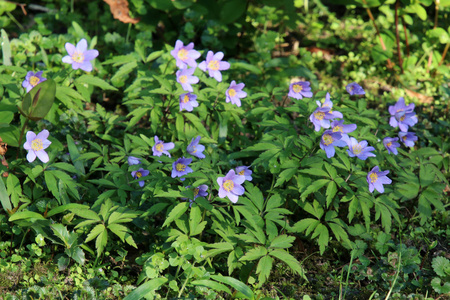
x=85 y=220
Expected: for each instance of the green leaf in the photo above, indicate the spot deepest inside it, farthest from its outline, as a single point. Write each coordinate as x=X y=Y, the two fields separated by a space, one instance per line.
x=197 y=123
x=314 y=187
x=77 y=254
x=218 y=287
x=95 y=232
x=143 y=290
x=254 y=253
x=4 y=198
x=263 y=269
x=288 y=259
x=195 y=224
x=38 y=102
x=75 y=155
x=324 y=236
x=236 y=284
x=6 y=49
x=63 y=208
x=30 y=215
x=248 y=67
x=282 y=241
x=307 y=224
x=101 y=241
x=92 y=80
x=61 y=231
x=154 y=55
x=331 y=192
x=176 y=212
x=285 y=176
x=441 y=266
x=427 y=175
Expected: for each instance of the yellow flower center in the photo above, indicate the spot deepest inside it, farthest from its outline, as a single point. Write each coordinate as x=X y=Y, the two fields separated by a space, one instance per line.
x=402 y=118
x=37 y=145
x=138 y=174
x=196 y=190
x=337 y=129
x=185 y=99
x=180 y=167
x=195 y=149
x=404 y=138
x=228 y=185
x=373 y=177
x=357 y=149
x=297 y=88
x=213 y=65
x=183 y=79
x=78 y=57
x=182 y=54
x=159 y=147
x=232 y=92
x=319 y=115
x=327 y=139
x=34 y=80
x=389 y=144
x=241 y=172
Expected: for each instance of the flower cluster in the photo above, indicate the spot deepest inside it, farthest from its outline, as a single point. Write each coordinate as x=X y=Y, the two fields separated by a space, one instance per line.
x=324 y=117
x=185 y=57
x=79 y=57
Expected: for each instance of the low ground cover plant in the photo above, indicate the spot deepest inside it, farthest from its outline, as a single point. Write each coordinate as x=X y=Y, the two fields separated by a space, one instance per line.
x=153 y=169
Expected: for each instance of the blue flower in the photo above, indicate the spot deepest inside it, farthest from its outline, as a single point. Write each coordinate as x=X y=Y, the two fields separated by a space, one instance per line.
x=360 y=150
x=376 y=179
x=140 y=173
x=300 y=89
x=194 y=148
x=133 y=160
x=354 y=89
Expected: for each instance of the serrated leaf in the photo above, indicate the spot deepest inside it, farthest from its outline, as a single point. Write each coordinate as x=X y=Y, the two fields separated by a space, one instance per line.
x=331 y=192
x=314 y=187
x=285 y=176
x=263 y=269
x=282 y=241
x=95 y=232
x=288 y=259
x=254 y=253
x=176 y=212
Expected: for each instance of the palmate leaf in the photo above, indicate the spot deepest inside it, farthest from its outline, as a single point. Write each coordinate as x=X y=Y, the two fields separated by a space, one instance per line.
x=123 y=233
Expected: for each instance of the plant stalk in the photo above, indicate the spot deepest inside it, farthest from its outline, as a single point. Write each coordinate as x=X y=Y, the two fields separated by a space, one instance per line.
x=397 y=36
